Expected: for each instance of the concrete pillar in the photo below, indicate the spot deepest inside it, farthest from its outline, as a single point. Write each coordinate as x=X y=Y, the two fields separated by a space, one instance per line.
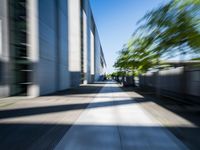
x=85 y=48
x=62 y=45
x=5 y=67
x=33 y=48
x=74 y=39
x=92 y=48
x=87 y=37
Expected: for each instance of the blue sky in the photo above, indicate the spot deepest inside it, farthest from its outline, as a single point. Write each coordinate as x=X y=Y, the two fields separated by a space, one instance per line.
x=116 y=21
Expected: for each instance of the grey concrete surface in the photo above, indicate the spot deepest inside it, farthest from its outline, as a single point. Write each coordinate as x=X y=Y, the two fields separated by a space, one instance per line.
x=115 y=121
x=94 y=117
x=180 y=118
x=39 y=123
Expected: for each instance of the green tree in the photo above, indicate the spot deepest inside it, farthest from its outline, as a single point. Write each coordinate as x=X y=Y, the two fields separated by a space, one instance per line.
x=174 y=26
x=164 y=31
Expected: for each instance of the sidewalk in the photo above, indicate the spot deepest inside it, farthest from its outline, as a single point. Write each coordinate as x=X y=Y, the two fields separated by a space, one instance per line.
x=41 y=122
x=114 y=121
x=94 y=117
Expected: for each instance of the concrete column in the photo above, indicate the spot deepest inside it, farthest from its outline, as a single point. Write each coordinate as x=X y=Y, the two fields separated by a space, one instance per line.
x=74 y=39
x=1 y=36
x=85 y=47
x=92 y=46
x=88 y=12
x=5 y=68
x=33 y=48
x=97 y=59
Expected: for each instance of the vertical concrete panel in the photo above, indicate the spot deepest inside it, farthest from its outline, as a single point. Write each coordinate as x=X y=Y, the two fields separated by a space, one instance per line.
x=87 y=39
x=64 y=80
x=92 y=46
x=33 y=49
x=97 y=56
x=103 y=66
x=74 y=39
x=48 y=42
x=85 y=48
x=47 y=70
x=88 y=12
x=1 y=49
x=4 y=21
x=5 y=72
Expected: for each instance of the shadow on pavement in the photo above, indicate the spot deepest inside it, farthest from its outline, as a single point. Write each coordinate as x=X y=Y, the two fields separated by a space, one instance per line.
x=187 y=111
x=60 y=108
x=38 y=136
x=46 y=136
x=89 y=89
x=191 y=113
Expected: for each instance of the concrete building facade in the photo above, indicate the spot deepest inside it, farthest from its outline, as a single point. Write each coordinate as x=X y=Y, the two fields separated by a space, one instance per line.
x=47 y=46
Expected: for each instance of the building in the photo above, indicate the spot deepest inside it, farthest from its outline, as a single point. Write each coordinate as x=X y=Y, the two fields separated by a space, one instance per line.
x=47 y=46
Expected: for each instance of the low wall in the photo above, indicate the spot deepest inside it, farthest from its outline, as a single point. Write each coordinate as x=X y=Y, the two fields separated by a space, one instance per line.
x=182 y=83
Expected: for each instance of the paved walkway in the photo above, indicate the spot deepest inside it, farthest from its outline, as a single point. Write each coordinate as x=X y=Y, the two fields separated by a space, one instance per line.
x=98 y=116
x=40 y=123
x=114 y=121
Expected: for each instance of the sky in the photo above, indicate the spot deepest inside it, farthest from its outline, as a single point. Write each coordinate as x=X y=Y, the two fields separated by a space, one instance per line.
x=116 y=21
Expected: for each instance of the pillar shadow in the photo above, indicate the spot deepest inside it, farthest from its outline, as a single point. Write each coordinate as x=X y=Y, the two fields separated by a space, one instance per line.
x=47 y=136
x=12 y=113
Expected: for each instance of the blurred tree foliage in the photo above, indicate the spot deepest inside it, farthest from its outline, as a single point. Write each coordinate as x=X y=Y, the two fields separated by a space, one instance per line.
x=164 y=31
